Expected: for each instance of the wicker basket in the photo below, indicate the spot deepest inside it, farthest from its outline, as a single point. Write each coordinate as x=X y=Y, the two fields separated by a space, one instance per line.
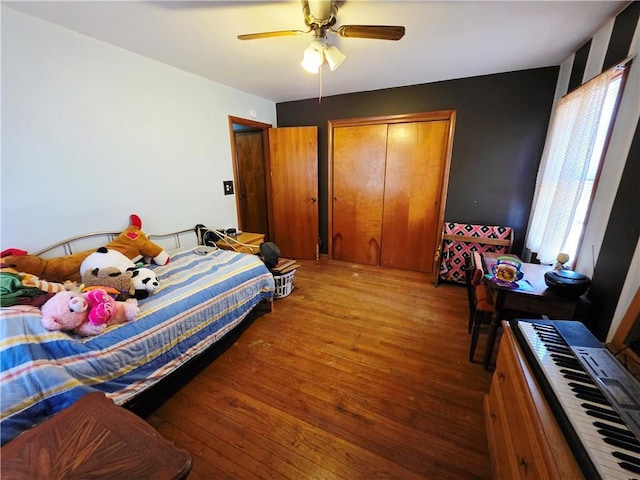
x=284 y=284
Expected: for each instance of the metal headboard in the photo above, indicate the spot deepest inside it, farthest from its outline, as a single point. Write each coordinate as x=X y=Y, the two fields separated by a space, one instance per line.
x=82 y=242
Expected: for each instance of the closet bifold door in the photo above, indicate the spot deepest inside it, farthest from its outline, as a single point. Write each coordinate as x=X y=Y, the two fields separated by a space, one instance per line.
x=415 y=164
x=388 y=184
x=358 y=192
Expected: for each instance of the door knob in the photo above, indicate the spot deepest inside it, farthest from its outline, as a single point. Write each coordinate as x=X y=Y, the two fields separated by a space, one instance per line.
x=335 y=199
x=314 y=199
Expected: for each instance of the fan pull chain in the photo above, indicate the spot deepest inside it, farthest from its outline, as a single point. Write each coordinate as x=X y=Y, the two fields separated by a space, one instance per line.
x=320 y=80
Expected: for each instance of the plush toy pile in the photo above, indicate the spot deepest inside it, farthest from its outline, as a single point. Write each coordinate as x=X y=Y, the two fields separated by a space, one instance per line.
x=86 y=313
x=112 y=278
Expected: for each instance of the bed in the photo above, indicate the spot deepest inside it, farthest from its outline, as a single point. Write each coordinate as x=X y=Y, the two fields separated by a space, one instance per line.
x=203 y=295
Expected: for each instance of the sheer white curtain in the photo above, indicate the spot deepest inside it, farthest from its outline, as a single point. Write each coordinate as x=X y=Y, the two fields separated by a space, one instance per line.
x=568 y=152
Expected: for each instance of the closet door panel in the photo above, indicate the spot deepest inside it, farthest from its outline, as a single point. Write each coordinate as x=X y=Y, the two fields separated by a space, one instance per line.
x=358 y=189
x=416 y=154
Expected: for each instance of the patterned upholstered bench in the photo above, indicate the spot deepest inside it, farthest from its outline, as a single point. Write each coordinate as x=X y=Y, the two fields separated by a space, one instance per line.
x=459 y=239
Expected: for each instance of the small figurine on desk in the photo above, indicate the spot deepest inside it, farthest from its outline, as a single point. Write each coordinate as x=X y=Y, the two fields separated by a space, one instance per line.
x=561 y=259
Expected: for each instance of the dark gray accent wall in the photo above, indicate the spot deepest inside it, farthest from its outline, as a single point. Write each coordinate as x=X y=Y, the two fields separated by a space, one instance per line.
x=501 y=126
x=621 y=36
x=578 y=67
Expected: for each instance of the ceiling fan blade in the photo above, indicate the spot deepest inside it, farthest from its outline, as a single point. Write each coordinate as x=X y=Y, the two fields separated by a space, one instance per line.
x=382 y=32
x=277 y=33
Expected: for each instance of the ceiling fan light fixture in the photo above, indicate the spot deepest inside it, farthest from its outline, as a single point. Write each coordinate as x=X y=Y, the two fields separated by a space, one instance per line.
x=313 y=57
x=309 y=67
x=334 y=57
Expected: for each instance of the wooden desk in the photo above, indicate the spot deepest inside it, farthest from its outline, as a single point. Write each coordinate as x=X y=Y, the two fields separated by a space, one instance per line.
x=235 y=242
x=93 y=438
x=532 y=297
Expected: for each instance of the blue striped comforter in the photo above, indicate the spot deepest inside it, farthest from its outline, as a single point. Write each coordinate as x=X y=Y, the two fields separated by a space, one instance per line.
x=200 y=298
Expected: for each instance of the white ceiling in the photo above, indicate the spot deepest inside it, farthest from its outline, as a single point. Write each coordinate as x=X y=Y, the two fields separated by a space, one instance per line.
x=444 y=39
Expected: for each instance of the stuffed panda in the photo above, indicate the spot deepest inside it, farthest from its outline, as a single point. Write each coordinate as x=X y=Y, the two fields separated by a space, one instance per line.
x=144 y=282
x=106 y=258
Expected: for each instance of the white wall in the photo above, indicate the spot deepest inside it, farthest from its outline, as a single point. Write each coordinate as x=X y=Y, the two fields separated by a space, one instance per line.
x=92 y=133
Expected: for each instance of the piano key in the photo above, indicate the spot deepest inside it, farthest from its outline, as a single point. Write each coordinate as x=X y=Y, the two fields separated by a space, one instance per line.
x=622 y=444
x=566 y=357
x=628 y=458
x=575 y=375
x=633 y=444
x=631 y=468
x=558 y=349
x=604 y=416
x=610 y=429
x=591 y=398
x=598 y=408
x=551 y=338
x=586 y=389
x=562 y=363
x=550 y=341
x=566 y=361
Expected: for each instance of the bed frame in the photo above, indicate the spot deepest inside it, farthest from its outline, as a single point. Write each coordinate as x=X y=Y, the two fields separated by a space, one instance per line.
x=149 y=400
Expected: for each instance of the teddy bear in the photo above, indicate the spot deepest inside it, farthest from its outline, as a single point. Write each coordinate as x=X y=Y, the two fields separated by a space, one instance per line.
x=110 y=279
x=110 y=269
x=66 y=310
x=132 y=243
x=561 y=259
x=144 y=282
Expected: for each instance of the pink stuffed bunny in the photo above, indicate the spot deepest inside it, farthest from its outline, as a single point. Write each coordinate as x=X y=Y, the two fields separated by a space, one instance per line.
x=104 y=310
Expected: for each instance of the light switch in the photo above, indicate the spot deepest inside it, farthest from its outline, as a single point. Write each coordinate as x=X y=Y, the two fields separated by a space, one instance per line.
x=228 y=187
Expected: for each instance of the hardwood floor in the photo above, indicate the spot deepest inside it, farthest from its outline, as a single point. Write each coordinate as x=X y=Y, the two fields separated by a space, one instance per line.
x=361 y=373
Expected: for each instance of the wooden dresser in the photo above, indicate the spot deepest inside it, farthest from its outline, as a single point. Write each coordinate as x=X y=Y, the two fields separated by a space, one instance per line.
x=524 y=438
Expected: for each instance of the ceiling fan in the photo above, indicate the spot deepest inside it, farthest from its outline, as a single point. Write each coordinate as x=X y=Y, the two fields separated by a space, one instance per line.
x=320 y=17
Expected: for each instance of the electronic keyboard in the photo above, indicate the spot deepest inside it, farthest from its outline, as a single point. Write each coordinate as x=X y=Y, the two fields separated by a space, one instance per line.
x=596 y=401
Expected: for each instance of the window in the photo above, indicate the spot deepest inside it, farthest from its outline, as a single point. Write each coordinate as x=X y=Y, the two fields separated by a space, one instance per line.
x=570 y=166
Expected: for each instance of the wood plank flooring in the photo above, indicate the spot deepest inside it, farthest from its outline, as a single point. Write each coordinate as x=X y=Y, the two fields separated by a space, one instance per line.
x=361 y=373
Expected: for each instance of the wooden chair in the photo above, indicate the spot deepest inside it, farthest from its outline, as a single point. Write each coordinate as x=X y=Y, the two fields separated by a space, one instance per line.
x=480 y=302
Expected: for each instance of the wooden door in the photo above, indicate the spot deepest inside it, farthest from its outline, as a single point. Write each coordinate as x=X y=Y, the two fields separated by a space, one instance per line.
x=411 y=228
x=250 y=182
x=293 y=159
x=358 y=162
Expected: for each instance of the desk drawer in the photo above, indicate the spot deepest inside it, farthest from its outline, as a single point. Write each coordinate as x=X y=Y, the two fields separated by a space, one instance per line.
x=558 y=308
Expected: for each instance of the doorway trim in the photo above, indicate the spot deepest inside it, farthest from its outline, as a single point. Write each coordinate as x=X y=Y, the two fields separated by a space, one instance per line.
x=264 y=127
